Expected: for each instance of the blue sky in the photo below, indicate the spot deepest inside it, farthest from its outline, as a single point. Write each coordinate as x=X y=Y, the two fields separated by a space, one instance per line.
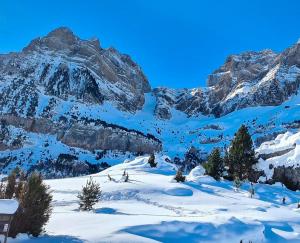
x=177 y=43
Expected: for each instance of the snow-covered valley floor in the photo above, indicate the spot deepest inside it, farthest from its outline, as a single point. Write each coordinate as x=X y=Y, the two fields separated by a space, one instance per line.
x=151 y=207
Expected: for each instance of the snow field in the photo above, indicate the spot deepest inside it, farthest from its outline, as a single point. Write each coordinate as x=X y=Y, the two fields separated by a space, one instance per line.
x=151 y=207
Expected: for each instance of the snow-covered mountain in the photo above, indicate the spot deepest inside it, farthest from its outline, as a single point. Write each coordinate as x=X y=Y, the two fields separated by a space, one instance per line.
x=67 y=105
x=250 y=79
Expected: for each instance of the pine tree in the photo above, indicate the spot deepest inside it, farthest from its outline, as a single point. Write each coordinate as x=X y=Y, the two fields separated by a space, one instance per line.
x=179 y=177
x=2 y=190
x=35 y=207
x=89 y=195
x=151 y=161
x=215 y=165
x=20 y=184
x=11 y=184
x=241 y=155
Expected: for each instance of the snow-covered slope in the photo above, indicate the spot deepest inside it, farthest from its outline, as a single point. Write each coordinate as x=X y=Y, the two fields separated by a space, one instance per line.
x=280 y=159
x=151 y=207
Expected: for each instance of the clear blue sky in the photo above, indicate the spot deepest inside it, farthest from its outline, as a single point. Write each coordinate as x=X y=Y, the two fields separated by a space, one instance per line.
x=177 y=43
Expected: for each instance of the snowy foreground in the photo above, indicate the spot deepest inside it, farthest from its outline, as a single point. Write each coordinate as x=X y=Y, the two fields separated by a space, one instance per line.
x=151 y=207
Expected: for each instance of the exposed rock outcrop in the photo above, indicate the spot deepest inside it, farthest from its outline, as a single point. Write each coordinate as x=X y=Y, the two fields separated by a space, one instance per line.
x=289 y=176
x=89 y=134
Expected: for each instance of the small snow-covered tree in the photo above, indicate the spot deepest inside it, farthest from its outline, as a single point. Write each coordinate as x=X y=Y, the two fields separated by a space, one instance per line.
x=126 y=179
x=179 y=177
x=251 y=190
x=89 y=195
x=237 y=183
x=215 y=166
x=151 y=161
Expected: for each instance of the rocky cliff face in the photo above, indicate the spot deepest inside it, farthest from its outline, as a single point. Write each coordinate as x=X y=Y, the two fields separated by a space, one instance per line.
x=66 y=67
x=89 y=134
x=250 y=79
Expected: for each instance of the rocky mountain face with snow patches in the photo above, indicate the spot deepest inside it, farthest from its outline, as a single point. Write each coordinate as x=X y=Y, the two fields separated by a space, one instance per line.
x=250 y=79
x=60 y=68
x=69 y=103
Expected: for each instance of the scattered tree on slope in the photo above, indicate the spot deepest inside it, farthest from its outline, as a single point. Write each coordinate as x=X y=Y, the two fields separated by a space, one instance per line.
x=151 y=161
x=179 y=177
x=215 y=165
x=35 y=203
x=89 y=195
x=241 y=156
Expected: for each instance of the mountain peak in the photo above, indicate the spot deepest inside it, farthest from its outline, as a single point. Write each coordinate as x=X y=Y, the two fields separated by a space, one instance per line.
x=63 y=33
x=61 y=39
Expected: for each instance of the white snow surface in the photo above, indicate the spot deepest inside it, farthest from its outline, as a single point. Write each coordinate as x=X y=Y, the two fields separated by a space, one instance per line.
x=289 y=144
x=8 y=206
x=152 y=207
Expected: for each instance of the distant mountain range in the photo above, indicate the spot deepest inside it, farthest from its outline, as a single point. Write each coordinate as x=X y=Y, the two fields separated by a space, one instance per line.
x=67 y=105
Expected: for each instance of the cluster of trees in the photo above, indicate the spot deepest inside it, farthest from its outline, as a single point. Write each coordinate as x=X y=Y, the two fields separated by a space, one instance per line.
x=238 y=159
x=236 y=164
x=34 y=202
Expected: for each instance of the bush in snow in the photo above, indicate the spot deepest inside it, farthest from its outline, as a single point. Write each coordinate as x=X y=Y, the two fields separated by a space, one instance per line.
x=35 y=206
x=215 y=165
x=179 y=177
x=151 y=161
x=251 y=190
x=89 y=195
x=237 y=183
x=241 y=156
x=126 y=177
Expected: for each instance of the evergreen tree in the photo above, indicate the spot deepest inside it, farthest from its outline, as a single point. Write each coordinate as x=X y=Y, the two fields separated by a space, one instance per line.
x=89 y=195
x=179 y=177
x=151 y=161
x=11 y=184
x=20 y=184
x=35 y=207
x=2 y=190
x=215 y=166
x=241 y=155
